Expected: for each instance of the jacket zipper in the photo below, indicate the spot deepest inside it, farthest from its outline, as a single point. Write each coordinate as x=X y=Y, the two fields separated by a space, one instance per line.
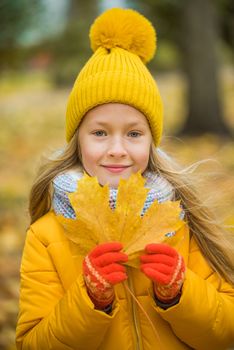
x=136 y=329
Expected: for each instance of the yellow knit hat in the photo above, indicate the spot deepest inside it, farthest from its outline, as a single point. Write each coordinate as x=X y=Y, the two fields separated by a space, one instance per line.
x=123 y=41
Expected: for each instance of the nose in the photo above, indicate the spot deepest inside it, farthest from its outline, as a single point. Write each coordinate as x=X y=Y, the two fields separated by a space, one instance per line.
x=117 y=148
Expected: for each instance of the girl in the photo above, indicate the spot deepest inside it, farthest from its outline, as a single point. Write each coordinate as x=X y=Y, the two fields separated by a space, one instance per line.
x=113 y=128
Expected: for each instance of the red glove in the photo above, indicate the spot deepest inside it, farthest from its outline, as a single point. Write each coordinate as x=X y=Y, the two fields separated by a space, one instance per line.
x=102 y=270
x=166 y=268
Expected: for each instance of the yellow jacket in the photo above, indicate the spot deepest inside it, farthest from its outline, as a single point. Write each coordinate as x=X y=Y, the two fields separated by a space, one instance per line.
x=56 y=312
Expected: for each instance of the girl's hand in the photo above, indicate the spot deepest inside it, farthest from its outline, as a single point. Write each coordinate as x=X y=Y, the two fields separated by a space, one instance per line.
x=102 y=269
x=166 y=268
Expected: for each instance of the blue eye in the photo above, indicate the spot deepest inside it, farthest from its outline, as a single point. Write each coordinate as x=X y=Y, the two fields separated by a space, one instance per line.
x=99 y=133
x=134 y=134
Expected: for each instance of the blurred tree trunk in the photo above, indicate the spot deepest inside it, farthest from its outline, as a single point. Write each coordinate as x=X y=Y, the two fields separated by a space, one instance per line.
x=82 y=9
x=15 y=18
x=72 y=49
x=227 y=23
x=193 y=26
x=81 y=14
x=199 y=38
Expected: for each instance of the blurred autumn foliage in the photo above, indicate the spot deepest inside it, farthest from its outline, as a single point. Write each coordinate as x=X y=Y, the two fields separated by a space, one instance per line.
x=35 y=82
x=32 y=122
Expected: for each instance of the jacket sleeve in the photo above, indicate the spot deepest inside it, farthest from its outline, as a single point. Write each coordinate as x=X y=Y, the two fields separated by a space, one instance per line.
x=49 y=316
x=205 y=313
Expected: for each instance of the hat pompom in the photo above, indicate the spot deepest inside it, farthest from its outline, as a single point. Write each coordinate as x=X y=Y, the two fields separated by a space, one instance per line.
x=124 y=28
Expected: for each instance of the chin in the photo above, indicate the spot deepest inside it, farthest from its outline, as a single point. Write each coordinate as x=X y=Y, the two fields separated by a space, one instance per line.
x=113 y=183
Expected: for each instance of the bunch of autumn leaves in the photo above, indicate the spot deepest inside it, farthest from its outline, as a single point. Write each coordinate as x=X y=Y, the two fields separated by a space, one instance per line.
x=97 y=223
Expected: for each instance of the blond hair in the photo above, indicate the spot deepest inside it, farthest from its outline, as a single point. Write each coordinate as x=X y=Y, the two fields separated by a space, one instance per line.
x=41 y=192
x=210 y=235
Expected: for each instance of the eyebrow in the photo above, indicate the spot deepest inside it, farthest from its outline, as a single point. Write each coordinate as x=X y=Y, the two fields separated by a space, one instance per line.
x=131 y=124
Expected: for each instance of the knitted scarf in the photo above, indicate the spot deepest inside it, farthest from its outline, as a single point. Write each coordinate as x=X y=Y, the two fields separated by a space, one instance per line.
x=159 y=189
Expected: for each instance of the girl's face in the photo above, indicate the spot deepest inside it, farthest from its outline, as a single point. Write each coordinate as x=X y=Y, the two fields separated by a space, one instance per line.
x=114 y=141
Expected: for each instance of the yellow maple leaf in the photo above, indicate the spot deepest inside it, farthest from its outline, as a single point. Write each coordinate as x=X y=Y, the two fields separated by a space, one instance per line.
x=91 y=205
x=130 y=201
x=97 y=223
x=159 y=220
x=79 y=233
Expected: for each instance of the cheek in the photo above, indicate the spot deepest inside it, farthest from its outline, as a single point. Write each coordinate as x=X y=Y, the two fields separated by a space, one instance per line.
x=141 y=155
x=90 y=154
x=144 y=160
x=88 y=157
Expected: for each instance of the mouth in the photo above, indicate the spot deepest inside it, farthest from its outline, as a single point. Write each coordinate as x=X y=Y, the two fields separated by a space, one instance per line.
x=115 y=168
